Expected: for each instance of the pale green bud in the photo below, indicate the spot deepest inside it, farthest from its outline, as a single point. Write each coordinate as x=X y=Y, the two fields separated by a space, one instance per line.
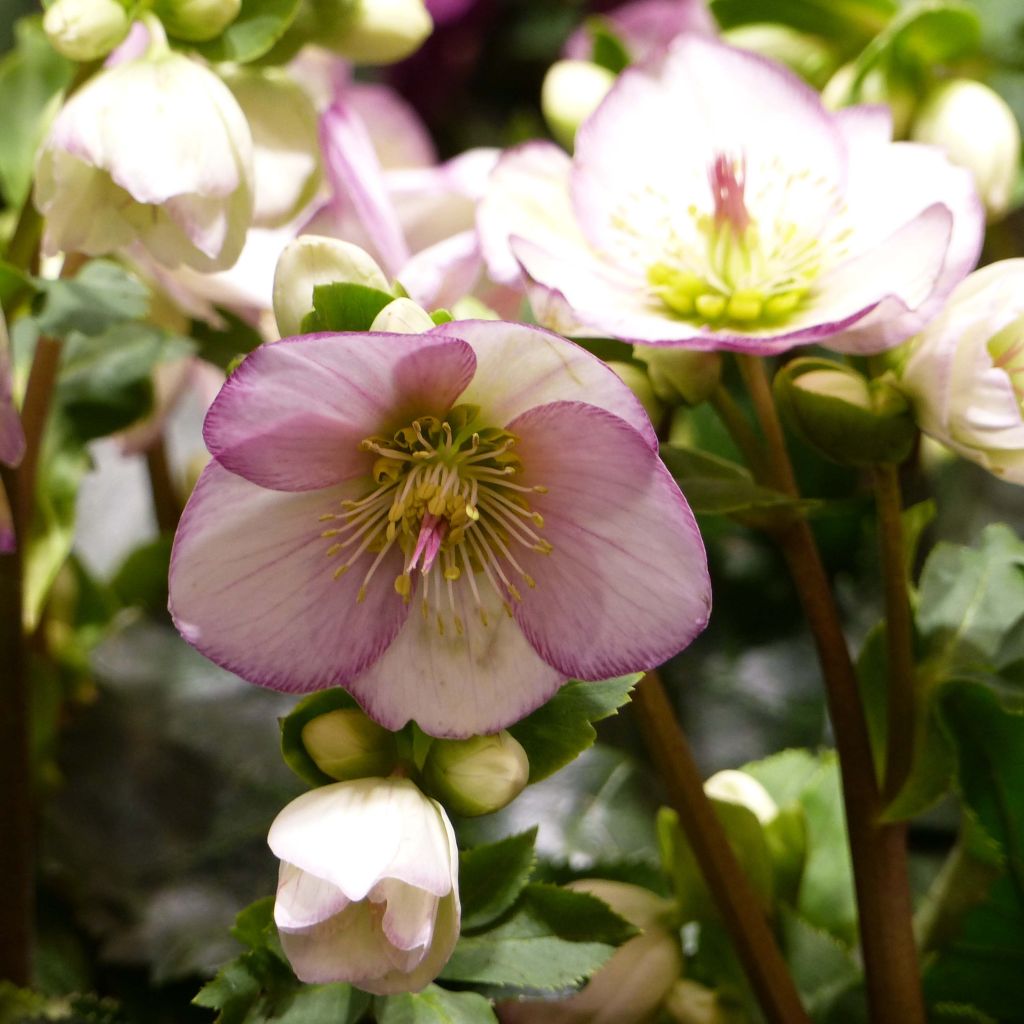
x=196 y=20
x=85 y=30
x=571 y=91
x=737 y=787
x=875 y=87
x=637 y=380
x=843 y=415
x=809 y=56
x=476 y=776
x=311 y=260
x=978 y=131
x=690 y=1002
x=372 y=31
x=345 y=744
x=403 y=316
x=678 y=373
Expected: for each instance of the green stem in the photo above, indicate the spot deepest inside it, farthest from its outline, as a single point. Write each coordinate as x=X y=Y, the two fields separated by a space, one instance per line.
x=736 y=901
x=899 y=638
x=879 y=851
x=740 y=430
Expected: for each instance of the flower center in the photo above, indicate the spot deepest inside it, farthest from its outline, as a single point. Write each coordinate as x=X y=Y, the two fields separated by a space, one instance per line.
x=1007 y=351
x=445 y=493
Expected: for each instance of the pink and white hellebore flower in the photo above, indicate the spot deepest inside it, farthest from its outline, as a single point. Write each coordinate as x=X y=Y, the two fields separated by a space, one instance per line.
x=155 y=150
x=368 y=889
x=713 y=203
x=448 y=524
x=965 y=371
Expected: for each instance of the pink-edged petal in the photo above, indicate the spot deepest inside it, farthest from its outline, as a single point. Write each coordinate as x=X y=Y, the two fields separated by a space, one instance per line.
x=444 y=272
x=519 y=367
x=457 y=686
x=252 y=586
x=628 y=571
x=398 y=134
x=867 y=124
x=304 y=900
x=355 y=175
x=408 y=921
x=292 y=416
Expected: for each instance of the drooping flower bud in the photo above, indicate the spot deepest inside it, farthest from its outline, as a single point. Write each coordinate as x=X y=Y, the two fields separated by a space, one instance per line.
x=641 y=385
x=738 y=787
x=843 y=415
x=373 y=31
x=679 y=373
x=197 y=20
x=403 y=316
x=345 y=744
x=571 y=91
x=85 y=29
x=476 y=776
x=976 y=128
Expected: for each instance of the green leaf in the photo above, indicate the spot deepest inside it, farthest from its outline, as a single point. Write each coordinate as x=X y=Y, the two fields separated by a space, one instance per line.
x=607 y=49
x=849 y=23
x=14 y=286
x=492 y=877
x=141 y=579
x=293 y=749
x=560 y=730
x=32 y=78
x=823 y=968
x=434 y=1005
x=260 y=23
x=255 y=923
x=225 y=345
x=553 y=940
x=337 y=1003
x=101 y=295
x=344 y=307
x=915 y=520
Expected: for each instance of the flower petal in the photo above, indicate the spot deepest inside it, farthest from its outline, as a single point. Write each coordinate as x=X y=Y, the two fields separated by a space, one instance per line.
x=292 y=416
x=252 y=588
x=628 y=570
x=304 y=900
x=408 y=921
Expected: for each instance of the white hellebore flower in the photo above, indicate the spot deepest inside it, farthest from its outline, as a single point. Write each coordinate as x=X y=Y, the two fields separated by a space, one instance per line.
x=965 y=372
x=154 y=150
x=368 y=890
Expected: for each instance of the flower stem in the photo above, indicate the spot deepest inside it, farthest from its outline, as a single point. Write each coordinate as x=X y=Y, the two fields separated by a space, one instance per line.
x=899 y=637
x=736 y=901
x=878 y=850
x=732 y=416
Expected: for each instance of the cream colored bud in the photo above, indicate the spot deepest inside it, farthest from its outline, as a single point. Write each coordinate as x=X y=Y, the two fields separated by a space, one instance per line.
x=85 y=29
x=402 y=316
x=197 y=20
x=737 y=787
x=678 y=373
x=637 y=380
x=689 y=1002
x=373 y=31
x=476 y=776
x=345 y=744
x=976 y=128
x=571 y=92
x=311 y=260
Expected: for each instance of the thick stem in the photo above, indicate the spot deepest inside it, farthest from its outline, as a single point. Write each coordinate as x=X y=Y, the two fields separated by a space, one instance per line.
x=35 y=412
x=879 y=851
x=736 y=901
x=165 y=496
x=899 y=638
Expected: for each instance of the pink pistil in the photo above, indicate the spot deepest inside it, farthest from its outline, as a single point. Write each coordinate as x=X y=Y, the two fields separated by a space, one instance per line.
x=428 y=543
x=726 y=177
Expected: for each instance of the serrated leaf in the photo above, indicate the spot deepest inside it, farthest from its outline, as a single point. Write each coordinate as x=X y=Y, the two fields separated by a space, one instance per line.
x=293 y=749
x=560 y=730
x=99 y=296
x=492 y=877
x=255 y=923
x=337 y=1003
x=260 y=23
x=823 y=967
x=553 y=940
x=434 y=1005
x=344 y=307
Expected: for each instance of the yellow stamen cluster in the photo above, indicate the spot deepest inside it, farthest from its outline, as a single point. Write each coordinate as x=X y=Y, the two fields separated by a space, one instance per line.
x=443 y=491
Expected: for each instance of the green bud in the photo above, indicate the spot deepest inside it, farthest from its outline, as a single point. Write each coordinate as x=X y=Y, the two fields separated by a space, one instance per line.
x=875 y=87
x=571 y=91
x=678 y=373
x=637 y=380
x=810 y=57
x=843 y=415
x=403 y=316
x=345 y=744
x=85 y=30
x=738 y=787
x=196 y=20
x=371 y=31
x=478 y=775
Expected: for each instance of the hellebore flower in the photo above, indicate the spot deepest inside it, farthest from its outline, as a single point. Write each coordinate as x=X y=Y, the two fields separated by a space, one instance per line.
x=368 y=889
x=448 y=524
x=154 y=150
x=965 y=372
x=713 y=203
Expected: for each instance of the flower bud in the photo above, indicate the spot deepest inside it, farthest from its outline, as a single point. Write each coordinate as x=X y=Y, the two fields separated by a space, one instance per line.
x=678 y=373
x=345 y=744
x=572 y=90
x=476 y=776
x=976 y=128
x=372 y=31
x=639 y=383
x=311 y=260
x=85 y=29
x=196 y=20
x=737 y=787
x=810 y=57
x=403 y=316
x=875 y=87
x=690 y=1002
x=843 y=415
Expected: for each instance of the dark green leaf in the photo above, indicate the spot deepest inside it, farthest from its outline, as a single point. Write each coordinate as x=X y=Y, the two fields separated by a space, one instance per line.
x=260 y=23
x=255 y=924
x=823 y=968
x=492 y=877
x=560 y=730
x=608 y=50
x=434 y=1005
x=337 y=1003
x=344 y=307
x=14 y=286
x=101 y=295
x=141 y=579
x=222 y=346
x=293 y=749
x=850 y=23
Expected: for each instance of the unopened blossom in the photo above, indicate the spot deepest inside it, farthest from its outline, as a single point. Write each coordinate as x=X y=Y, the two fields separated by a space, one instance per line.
x=368 y=890
x=965 y=371
x=713 y=203
x=448 y=524
x=85 y=29
x=634 y=983
x=153 y=150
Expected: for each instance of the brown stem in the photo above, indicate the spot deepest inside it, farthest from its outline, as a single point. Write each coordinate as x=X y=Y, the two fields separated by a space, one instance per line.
x=900 y=713
x=165 y=494
x=879 y=851
x=736 y=901
x=34 y=415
